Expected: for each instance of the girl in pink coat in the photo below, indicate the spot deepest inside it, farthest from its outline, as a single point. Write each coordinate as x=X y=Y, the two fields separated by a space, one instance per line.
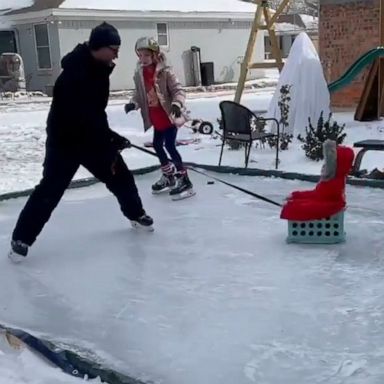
x=161 y=99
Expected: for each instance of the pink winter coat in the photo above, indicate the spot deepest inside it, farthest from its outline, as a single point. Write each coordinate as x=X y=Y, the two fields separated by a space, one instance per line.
x=168 y=89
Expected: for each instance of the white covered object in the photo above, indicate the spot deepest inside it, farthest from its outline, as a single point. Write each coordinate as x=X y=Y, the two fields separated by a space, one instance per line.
x=309 y=90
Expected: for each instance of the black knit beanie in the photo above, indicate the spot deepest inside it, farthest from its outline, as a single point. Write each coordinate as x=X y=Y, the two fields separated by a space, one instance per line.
x=104 y=35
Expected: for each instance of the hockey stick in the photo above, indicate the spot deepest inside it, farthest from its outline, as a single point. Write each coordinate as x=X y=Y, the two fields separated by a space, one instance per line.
x=217 y=179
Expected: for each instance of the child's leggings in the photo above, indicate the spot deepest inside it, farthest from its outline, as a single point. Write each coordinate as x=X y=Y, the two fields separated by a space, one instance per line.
x=167 y=138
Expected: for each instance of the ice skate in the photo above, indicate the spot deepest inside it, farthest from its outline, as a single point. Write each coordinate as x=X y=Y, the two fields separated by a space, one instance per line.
x=18 y=251
x=144 y=222
x=165 y=184
x=183 y=188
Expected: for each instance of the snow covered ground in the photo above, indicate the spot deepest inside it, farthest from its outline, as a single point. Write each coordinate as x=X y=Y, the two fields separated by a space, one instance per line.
x=24 y=367
x=22 y=137
x=212 y=296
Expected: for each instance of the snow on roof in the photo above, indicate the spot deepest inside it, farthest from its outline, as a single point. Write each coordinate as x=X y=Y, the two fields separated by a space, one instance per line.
x=297 y=23
x=15 y=4
x=310 y=22
x=162 y=5
x=6 y=5
x=287 y=27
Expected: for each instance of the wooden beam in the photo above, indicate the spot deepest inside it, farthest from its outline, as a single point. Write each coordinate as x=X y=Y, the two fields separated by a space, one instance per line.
x=279 y=10
x=262 y=9
x=276 y=51
x=263 y=65
x=367 y=108
x=380 y=89
x=248 y=54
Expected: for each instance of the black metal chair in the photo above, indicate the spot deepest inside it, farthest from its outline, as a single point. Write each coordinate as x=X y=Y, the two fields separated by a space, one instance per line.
x=242 y=125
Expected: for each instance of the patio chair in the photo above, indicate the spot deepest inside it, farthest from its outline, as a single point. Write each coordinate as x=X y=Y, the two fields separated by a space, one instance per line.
x=241 y=125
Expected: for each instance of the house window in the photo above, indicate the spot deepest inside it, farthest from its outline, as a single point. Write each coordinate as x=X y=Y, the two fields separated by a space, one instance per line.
x=42 y=46
x=267 y=48
x=7 y=42
x=162 y=34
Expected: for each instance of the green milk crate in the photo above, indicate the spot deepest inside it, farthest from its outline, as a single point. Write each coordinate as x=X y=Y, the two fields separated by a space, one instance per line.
x=325 y=231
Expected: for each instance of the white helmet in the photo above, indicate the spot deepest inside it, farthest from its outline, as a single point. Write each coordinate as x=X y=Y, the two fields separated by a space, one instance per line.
x=147 y=43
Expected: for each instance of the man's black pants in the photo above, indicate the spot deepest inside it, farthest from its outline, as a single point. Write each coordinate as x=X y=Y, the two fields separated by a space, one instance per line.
x=60 y=165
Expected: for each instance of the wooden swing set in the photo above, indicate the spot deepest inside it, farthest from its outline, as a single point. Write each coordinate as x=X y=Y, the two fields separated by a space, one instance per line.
x=264 y=20
x=371 y=104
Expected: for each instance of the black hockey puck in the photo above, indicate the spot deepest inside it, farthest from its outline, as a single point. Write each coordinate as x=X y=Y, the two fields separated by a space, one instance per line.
x=210 y=182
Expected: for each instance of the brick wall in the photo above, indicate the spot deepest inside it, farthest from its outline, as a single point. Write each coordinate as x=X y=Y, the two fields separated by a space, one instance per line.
x=347 y=29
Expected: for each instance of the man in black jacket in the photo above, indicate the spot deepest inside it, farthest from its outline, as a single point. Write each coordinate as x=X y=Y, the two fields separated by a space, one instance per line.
x=78 y=133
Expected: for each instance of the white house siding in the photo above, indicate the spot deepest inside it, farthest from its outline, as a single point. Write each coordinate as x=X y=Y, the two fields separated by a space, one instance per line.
x=73 y=32
x=222 y=42
x=38 y=79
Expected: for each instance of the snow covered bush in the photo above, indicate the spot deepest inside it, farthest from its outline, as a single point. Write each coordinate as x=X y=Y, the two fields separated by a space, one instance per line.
x=316 y=136
x=283 y=104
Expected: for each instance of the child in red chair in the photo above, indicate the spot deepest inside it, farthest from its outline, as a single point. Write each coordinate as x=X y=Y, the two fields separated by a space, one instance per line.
x=328 y=197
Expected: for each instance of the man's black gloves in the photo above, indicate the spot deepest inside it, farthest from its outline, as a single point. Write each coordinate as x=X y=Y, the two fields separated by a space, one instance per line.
x=129 y=107
x=120 y=142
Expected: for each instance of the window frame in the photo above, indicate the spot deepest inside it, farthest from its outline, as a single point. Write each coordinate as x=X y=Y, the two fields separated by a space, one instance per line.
x=42 y=46
x=162 y=34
